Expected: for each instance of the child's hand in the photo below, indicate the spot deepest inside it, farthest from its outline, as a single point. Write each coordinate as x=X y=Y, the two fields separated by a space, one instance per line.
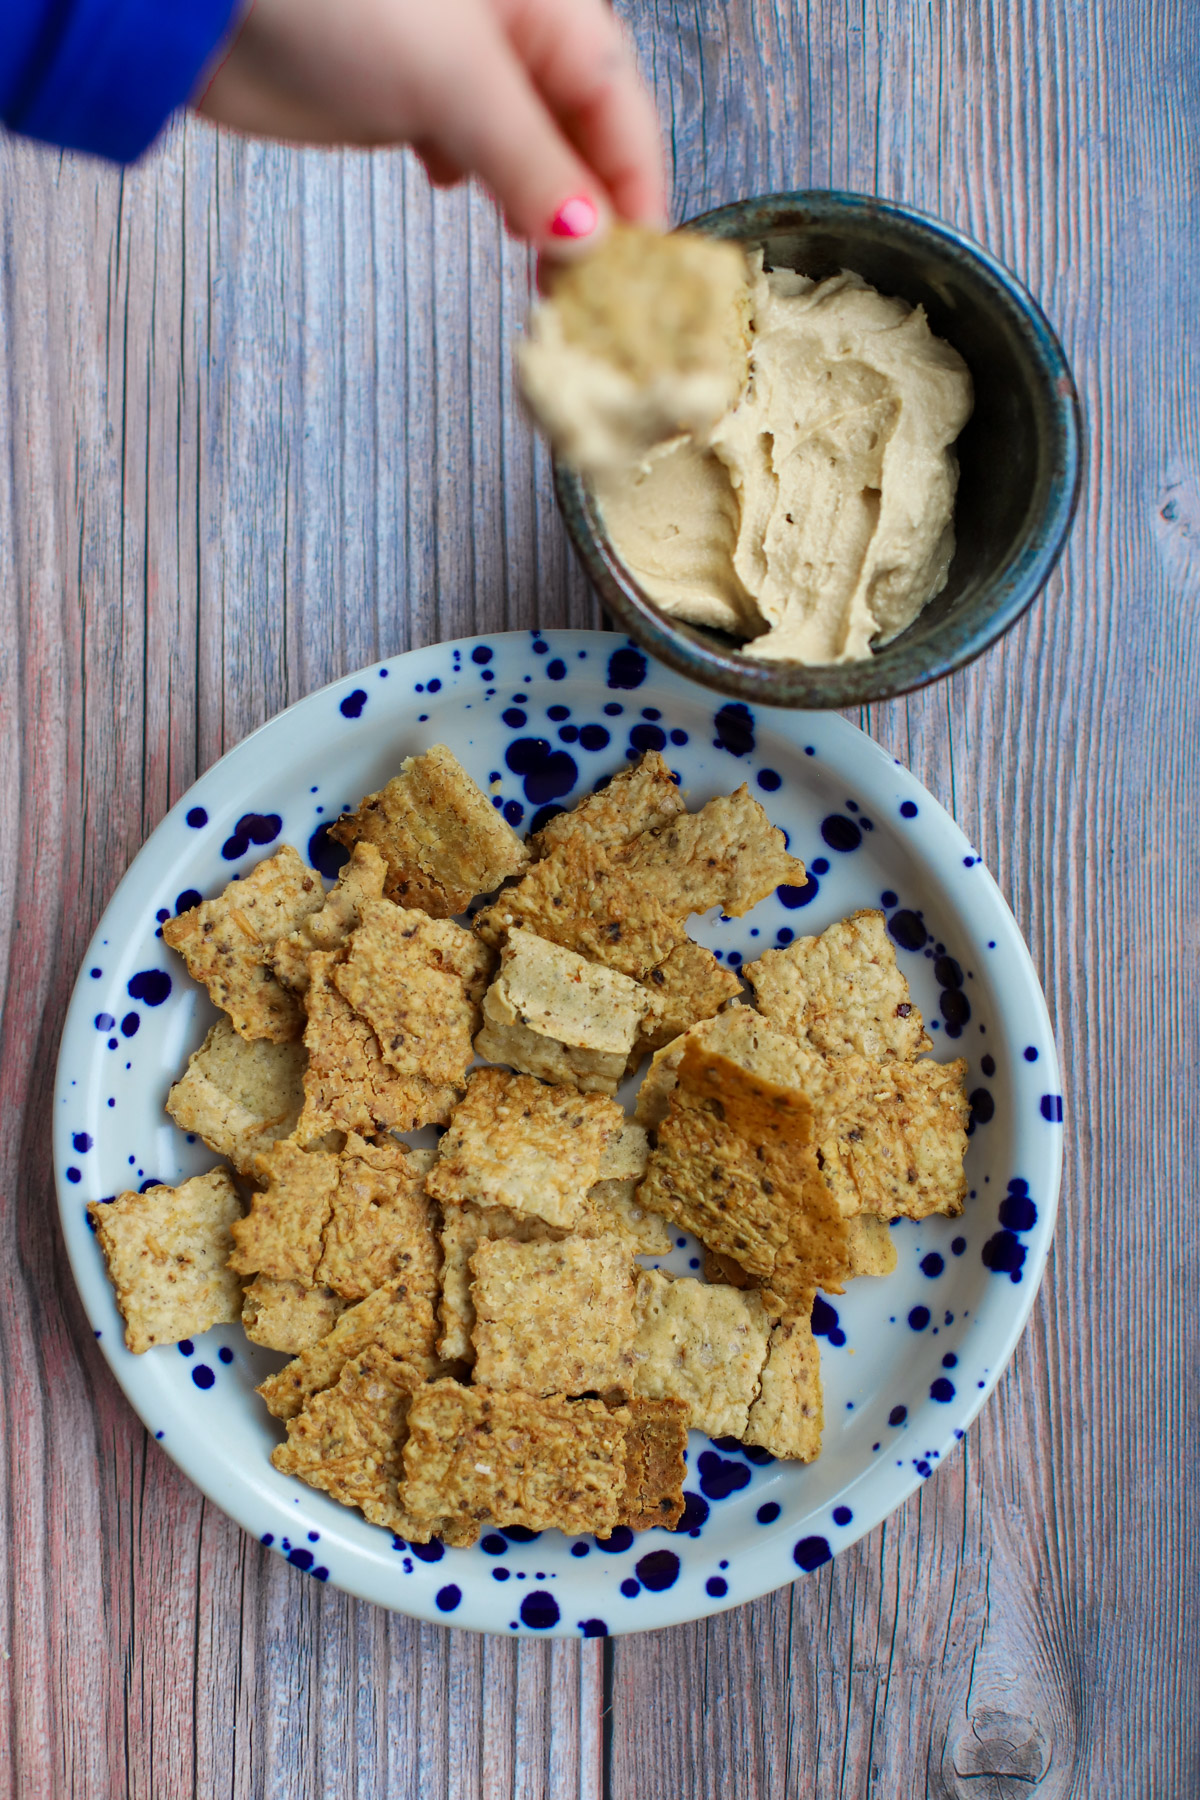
x=539 y=98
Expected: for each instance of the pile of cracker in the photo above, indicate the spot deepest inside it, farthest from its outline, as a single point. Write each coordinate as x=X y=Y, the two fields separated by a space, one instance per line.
x=473 y=1337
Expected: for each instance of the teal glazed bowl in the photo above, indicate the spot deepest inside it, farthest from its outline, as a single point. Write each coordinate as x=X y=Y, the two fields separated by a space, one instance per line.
x=1019 y=456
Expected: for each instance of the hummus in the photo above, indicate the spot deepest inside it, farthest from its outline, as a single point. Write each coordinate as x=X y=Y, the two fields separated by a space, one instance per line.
x=816 y=518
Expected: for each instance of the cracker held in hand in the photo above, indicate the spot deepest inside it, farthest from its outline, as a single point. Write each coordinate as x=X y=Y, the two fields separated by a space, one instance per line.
x=702 y=1345
x=361 y=879
x=728 y=855
x=239 y=1095
x=227 y=943
x=637 y=799
x=644 y=339
x=841 y=993
x=473 y=1454
x=554 y=1318
x=398 y=1317
x=552 y=1014
x=166 y=1253
x=515 y=1143
x=441 y=837
x=418 y=983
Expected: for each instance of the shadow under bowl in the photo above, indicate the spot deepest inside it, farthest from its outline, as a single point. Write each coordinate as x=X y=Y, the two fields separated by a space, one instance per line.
x=1019 y=455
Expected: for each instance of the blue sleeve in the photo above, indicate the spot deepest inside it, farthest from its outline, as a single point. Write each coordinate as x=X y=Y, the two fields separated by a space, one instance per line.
x=104 y=75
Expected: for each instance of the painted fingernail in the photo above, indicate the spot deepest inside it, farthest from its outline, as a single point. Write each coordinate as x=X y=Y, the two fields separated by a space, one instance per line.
x=575 y=218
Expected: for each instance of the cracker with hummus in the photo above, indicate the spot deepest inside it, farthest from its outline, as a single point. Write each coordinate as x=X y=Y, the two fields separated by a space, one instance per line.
x=636 y=799
x=554 y=1318
x=841 y=993
x=239 y=1094
x=728 y=855
x=441 y=838
x=361 y=879
x=553 y=1014
x=166 y=1251
x=702 y=1345
x=227 y=943
x=397 y=1317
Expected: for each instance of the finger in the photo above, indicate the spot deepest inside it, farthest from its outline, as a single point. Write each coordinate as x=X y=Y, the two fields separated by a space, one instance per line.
x=581 y=62
x=442 y=171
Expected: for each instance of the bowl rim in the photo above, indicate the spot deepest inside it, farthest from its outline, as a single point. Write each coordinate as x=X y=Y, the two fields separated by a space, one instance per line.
x=830 y=685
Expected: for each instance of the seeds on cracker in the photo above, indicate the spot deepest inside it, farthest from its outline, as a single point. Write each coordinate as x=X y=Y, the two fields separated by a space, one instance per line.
x=380 y=1225
x=702 y=1345
x=474 y=1454
x=239 y=1095
x=226 y=944
x=464 y=1227
x=166 y=1252
x=418 y=983
x=347 y=1085
x=788 y=1415
x=288 y=1315
x=554 y=1318
x=625 y=1153
x=582 y=898
x=637 y=799
x=842 y=992
x=440 y=836
x=398 y=1317
x=613 y=1210
x=516 y=1143
x=893 y=1143
x=689 y=986
x=728 y=855
x=552 y=1014
x=361 y=879
x=870 y=1244
x=655 y=1448
x=282 y=1233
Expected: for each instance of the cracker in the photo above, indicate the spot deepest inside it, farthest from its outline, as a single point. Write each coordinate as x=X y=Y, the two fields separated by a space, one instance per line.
x=226 y=944
x=349 y=1440
x=871 y=1245
x=702 y=1345
x=636 y=799
x=360 y=880
x=398 y=1317
x=788 y=1416
x=554 y=1318
x=728 y=855
x=288 y=1315
x=689 y=986
x=583 y=898
x=739 y=1033
x=417 y=982
x=440 y=836
x=380 y=1225
x=513 y=1142
x=625 y=1154
x=464 y=1227
x=474 y=1454
x=166 y=1253
x=281 y=1234
x=613 y=1210
x=347 y=1085
x=551 y=1014
x=239 y=1095
x=735 y=1162
x=842 y=992
x=894 y=1137
x=655 y=1463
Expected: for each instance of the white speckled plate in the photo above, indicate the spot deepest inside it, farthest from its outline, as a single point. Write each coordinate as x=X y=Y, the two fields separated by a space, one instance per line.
x=907 y=1361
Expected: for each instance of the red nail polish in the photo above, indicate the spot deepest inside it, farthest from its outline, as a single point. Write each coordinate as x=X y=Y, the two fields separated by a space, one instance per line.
x=575 y=218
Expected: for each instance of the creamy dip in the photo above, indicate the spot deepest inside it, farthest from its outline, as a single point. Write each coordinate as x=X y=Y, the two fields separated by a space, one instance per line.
x=816 y=518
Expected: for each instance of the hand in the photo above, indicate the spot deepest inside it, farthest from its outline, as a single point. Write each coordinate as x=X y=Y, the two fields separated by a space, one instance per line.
x=539 y=98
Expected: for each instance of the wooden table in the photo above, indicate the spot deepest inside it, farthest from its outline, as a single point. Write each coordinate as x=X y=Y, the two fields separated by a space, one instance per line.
x=258 y=428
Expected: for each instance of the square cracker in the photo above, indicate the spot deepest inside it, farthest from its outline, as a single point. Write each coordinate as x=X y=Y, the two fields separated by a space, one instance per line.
x=636 y=799
x=227 y=942
x=380 y=1225
x=398 y=1317
x=464 y=1227
x=347 y=1085
x=689 y=986
x=613 y=1211
x=417 y=982
x=871 y=1245
x=288 y=1315
x=554 y=1318
x=625 y=1154
x=474 y=1454
x=741 y=1034
x=702 y=1344
x=551 y=1014
x=439 y=834
x=583 y=898
x=841 y=992
x=239 y=1095
x=728 y=855
x=349 y=1440
x=282 y=1233
x=788 y=1416
x=513 y=1142
x=166 y=1252
x=655 y=1463
x=360 y=880
x=736 y=1163
x=892 y=1137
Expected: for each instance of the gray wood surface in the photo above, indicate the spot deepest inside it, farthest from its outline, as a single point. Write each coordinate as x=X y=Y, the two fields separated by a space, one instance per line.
x=257 y=427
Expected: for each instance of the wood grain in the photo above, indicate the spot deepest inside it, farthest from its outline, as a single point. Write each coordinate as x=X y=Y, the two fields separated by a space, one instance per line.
x=258 y=428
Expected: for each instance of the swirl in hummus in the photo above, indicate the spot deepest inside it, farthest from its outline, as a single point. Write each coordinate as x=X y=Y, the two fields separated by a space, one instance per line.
x=816 y=518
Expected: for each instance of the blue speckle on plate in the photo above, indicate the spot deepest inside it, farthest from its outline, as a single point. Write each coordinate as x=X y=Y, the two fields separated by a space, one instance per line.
x=1030 y=1053
x=918 y=1318
x=225 y=1354
x=720 y=1477
x=448 y=1597
x=769 y=780
x=104 y=1021
x=203 y=1376
x=1052 y=1108
x=908 y=809
x=593 y=1627
x=768 y=1512
x=151 y=985
x=825 y=1322
x=840 y=833
x=897 y=1415
x=630 y=1587
x=658 y=1570
x=932 y=1265
x=842 y=1515
x=735 y=729
x=325 y=854
x=197 y=817
x=626 y=668
x=251 y=828
x=547 y=774
x=493 y=1544
x=694 y=1514
x=74 y=1175
x=791 y=896
x=352 y=705
x=620 y=1538
x=82 y=1142
x=129 y=1024
x=811 y=1552
x=907 y=929
x=433 y=1551
x=514 y=718
x=539 y=1610
x=716 y=1586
